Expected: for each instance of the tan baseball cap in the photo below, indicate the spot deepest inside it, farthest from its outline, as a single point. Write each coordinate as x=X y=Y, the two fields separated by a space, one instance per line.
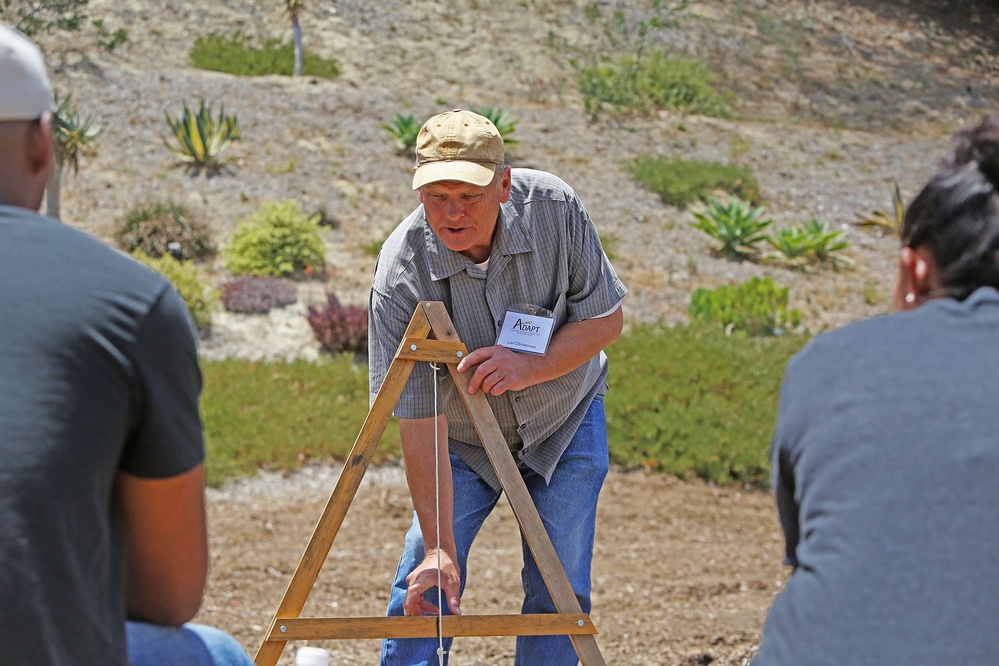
x=25 y=92
x=457 y=145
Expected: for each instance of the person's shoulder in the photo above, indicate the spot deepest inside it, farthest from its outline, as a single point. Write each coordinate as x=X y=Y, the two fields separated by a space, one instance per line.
x=406 y=239
x=532 y=185
x=72 y=248
x=839 y=347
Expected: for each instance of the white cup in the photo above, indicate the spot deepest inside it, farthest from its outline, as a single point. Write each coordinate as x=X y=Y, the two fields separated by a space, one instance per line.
x=312 y=656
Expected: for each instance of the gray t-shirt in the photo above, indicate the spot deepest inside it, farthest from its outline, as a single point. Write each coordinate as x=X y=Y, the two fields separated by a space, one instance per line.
x=886 y=473
x=98 y=372
x=546 y=252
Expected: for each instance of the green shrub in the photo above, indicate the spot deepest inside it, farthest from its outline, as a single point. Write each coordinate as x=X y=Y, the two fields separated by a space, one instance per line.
x=235 y=55
x=680 y=84
x=278 y=240
x=736 y=226
x=757 y=307
x=161 y=228
x=657 y=81
x=689 y=401
x=199 y=139
x=693 y=402
x=200 y=298
x=681 y=182
x=280 y=415
x=504 y=125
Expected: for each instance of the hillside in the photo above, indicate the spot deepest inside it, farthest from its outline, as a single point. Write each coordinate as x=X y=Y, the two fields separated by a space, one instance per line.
x=833 y=103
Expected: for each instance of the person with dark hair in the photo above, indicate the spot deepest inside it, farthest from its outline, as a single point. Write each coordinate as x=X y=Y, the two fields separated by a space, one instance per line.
x=103 y=537
x=886 y=453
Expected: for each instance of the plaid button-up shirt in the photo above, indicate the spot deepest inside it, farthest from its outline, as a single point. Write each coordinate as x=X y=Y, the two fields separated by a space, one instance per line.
x=545 y=252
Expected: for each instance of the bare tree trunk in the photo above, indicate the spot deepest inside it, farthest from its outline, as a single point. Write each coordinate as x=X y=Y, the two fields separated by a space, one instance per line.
x=52 y=190
x=297 y=30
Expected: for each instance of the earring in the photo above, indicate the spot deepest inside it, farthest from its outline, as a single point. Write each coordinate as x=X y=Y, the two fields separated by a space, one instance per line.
x=910 y=297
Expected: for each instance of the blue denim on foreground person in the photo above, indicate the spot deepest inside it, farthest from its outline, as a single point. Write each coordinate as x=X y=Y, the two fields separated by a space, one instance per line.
x=568 y=510
x=188 y=645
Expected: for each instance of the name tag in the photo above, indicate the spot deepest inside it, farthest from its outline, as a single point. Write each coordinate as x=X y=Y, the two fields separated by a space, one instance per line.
x=526 y=328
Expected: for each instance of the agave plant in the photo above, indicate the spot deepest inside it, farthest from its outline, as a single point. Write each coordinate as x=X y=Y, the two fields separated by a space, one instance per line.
x=503 y=124
x=737 y=226
x=793 y=244
x=825 y=243
x=404 y=129
x=199 y=138
x=72 y=135
x=890 y=222
x=812 y=241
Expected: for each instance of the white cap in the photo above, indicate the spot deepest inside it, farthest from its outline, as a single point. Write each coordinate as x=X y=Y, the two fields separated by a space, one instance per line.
x=25 y=93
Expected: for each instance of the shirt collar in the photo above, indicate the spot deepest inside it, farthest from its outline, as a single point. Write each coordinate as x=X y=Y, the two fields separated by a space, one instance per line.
x=512 y=237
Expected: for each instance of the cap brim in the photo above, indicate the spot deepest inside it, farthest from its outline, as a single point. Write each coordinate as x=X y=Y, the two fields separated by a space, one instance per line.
x=466 y=172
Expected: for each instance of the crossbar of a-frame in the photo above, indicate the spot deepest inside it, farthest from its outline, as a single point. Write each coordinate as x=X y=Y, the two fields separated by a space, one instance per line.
x=430 y=337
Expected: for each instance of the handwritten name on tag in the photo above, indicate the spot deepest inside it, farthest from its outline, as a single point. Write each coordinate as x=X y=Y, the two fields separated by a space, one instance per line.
x=526 y=332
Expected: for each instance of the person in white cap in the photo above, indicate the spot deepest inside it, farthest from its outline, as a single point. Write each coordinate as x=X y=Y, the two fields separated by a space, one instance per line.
x=102 y=518
x=515 y=258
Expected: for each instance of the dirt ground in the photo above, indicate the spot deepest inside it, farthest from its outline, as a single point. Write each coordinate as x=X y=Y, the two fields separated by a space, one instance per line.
x=683 y=571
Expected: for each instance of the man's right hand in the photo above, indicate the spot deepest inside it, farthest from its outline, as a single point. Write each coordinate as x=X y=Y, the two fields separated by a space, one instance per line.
x=424 y=577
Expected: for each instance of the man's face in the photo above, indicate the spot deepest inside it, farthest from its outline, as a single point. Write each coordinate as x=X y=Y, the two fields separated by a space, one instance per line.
x=464 y=215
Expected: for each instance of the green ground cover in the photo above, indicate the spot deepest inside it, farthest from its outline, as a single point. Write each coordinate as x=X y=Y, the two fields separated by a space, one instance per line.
x=684 y=401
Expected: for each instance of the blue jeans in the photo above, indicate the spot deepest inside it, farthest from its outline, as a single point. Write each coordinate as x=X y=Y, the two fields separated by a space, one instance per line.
x=188 y=645
x=568 y=509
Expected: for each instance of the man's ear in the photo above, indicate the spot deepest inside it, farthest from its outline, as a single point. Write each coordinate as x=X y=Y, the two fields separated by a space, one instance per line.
x=41 y=148
x=506 y=182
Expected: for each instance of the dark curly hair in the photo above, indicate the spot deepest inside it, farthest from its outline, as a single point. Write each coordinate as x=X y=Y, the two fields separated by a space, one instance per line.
x=956 y=215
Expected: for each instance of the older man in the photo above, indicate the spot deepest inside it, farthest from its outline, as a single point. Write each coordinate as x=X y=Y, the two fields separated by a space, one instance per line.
x=102 y=514
x=498 y=246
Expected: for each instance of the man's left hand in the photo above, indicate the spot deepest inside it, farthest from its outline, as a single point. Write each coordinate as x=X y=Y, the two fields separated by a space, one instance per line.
x=498 y=369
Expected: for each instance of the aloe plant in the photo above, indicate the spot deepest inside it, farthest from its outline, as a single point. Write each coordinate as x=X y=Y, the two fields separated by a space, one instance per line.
x=404 y=129
x=737 y=226
x=72 y=135
x=504 y=125
x=199 y=138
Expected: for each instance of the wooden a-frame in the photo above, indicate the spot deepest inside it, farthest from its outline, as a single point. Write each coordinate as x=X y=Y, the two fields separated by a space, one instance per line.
x=430 y=337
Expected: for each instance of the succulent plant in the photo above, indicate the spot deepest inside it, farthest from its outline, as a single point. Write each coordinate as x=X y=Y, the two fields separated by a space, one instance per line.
x=199 y=138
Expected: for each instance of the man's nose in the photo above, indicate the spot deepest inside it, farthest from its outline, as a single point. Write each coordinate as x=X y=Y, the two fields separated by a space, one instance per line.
x=454 y=210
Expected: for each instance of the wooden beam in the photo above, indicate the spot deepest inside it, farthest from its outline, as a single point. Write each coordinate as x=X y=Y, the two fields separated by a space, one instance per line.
x=336 y=628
